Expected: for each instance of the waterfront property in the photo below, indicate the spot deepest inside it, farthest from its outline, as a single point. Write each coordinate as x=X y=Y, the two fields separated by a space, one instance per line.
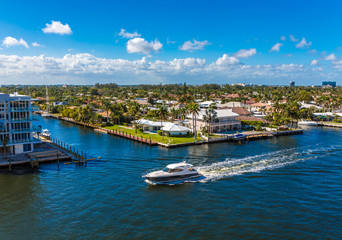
x=167 y=127
x=16 y=128
x=225 y=121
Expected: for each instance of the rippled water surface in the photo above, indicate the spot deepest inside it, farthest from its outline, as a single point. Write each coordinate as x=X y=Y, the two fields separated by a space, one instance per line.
x=287 y=187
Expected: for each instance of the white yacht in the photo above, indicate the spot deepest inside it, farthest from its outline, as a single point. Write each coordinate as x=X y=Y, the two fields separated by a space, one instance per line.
x=172 y=174
x=45 y=133
x=46 y=114
x=307 y=123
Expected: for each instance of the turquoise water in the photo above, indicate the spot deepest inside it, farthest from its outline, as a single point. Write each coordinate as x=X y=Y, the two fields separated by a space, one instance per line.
x=287 y=187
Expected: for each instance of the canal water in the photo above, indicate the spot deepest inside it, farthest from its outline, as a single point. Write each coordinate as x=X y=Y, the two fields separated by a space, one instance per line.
x=282 y=188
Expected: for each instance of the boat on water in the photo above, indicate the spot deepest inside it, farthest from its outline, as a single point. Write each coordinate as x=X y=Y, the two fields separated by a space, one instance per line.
x=46 y=114
x=307 y=123
x=239 y=137
x=45 y=133
x=172 y=174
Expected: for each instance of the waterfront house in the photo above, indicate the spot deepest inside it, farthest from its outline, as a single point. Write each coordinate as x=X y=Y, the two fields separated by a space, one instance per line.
x=225 y=121
x=168 y=127
x=175 y=130
x=16 y=118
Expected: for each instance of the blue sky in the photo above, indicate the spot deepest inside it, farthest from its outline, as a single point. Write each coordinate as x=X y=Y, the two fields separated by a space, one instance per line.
x=170 y=42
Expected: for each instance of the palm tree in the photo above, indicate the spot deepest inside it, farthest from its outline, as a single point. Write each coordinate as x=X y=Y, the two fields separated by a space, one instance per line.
x=107 y=106
x=162 y=111
x=209 y=116
x=194 y=110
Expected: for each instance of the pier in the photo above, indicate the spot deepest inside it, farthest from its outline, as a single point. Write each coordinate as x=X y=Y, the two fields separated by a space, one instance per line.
x=44 y=153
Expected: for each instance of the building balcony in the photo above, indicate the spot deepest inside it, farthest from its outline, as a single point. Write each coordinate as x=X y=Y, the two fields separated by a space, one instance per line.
x=24 y=109
x=15 y=120
x=21 y=141
x=25 y=130
x=227 y=123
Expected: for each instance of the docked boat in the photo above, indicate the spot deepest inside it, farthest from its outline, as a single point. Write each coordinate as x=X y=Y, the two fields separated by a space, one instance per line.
x=46 y=114
x=307 y=123
x=45 y=133
x=173 y=174
x=239 y=137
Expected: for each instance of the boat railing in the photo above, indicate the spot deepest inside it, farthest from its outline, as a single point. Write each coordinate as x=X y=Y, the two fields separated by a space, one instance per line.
x=152 y=170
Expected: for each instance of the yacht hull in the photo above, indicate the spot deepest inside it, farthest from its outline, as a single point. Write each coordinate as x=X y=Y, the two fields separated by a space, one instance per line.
x=175 y=178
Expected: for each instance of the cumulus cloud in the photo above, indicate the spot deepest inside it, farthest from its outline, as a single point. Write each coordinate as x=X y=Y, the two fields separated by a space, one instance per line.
x=12 y=42
x=140 y=45
x=125 y=34
x=330 y=57
x=57 y=27
x=245 y=53
x=276 y=47
x=293 y=39
x=195 y=45
x=87 y=69
x=314 y=62
x=227 y=60
x=283 y=38
x=35 y=44
x=303 y=44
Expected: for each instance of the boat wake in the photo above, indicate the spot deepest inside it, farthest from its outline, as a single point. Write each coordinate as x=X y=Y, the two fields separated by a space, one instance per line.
x=268 y=161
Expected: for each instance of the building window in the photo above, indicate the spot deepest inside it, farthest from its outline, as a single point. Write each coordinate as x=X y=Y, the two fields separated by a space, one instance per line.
x=27 y=147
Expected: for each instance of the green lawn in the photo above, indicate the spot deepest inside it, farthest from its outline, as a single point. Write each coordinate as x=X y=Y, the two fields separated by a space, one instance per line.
x=154 y=137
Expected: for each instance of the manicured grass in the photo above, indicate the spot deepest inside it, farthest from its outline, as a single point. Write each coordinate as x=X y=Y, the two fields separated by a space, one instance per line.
x=154 y=137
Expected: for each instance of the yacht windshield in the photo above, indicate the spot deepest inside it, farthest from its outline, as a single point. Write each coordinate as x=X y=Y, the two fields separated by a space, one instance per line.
x=172 y=170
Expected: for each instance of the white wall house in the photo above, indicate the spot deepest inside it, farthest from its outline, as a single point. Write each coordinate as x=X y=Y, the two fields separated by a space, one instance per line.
x=168 y=127
x=226 y=121
x=16 y=117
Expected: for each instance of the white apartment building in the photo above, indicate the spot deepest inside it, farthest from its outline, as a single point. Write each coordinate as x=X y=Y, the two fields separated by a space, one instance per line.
x=16 y=117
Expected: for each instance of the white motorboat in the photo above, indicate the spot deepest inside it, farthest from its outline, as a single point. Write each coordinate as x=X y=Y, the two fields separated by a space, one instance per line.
x=173 y=174
x=239 y=137
x=307 y=123
x=45 y=133
x=46 y=114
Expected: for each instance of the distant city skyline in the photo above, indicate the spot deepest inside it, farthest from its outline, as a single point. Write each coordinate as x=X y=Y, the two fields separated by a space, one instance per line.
x=152 y=42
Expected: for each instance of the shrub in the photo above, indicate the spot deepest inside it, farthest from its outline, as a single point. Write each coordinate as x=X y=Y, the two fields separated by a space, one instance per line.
x=160 y=132
x=140 y=130
x=125 y=124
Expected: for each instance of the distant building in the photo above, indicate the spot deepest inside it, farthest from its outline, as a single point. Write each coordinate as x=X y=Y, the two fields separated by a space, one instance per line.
x=328 y=84
x=16 y=123
x=292 y=84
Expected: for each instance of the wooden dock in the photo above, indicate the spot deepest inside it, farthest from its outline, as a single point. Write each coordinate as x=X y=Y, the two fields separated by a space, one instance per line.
x=334 y=125
x=44 y=153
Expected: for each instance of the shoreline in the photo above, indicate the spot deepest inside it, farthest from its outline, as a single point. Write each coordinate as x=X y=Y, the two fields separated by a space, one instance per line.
x=249 y=137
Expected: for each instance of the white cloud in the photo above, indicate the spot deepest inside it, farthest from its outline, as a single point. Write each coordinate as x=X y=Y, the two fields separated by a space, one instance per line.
x=87 y=69
x=314 y=62
x=58 y=28
x=195 y=45
x=283 y=38
x=303 y=44
x=293 y=39
x=276 y=47
x=226 y=60
x=12 y=42
x=330 y=57
x=35 y=44
x=313 y=51
x=244 y=53
x=140 y=45
x=125 y=34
